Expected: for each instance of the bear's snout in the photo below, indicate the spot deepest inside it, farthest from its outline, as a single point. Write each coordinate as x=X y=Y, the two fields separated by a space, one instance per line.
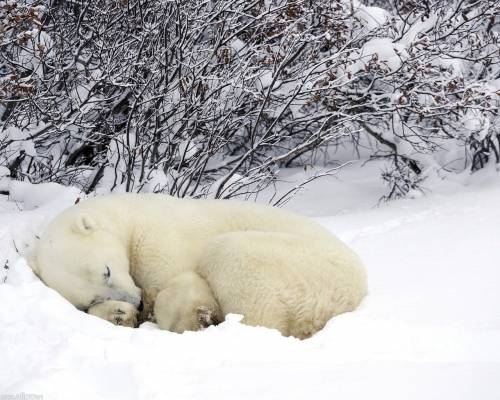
x=122 y=295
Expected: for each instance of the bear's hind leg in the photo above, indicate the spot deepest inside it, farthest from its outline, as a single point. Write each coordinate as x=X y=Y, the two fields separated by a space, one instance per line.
x=249 y=280
x=283 y=281
x=187 y=304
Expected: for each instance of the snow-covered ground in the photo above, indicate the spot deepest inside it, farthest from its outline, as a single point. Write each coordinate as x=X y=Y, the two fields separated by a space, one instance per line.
x=429 y=328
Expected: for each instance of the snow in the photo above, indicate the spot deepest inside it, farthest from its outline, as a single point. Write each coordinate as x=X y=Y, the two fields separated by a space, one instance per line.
x=383 y=49
x=237 y=44
x=476 y=122
x=372 y=17
x=17 y=140
x=33 y=196
x=429 y=328
x=387 y=51
x=265 y=80
x=417 y=28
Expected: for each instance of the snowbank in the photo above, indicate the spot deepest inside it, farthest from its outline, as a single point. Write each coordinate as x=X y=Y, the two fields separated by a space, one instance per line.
x=429 y=328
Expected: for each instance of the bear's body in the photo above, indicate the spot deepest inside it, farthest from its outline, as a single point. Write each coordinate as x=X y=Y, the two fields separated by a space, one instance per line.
x=194 y=261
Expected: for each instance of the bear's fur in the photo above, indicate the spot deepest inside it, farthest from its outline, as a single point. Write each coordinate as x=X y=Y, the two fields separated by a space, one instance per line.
x=194 y=261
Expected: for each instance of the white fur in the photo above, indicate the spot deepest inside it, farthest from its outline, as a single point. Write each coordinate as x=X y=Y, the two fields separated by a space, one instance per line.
x=201 y=259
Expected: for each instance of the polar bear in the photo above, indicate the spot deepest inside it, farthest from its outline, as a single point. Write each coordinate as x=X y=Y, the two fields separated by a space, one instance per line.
x=187 y=263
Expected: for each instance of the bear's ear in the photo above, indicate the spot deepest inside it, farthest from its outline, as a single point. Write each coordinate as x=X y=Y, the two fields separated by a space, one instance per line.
x=84 y=225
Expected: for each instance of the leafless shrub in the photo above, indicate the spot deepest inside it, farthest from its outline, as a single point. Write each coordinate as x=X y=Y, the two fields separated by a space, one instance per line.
x=212 y=98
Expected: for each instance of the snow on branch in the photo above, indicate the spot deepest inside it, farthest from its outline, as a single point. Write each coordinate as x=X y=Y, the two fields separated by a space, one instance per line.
x=212 y=98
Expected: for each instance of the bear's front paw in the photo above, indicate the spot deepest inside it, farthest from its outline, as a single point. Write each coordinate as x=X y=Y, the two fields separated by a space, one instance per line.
x=208 y=316
x=122 y=317
x=117 y=312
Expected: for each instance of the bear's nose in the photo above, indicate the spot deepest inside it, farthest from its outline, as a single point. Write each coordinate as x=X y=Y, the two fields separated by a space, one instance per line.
x=122 y=295
x=136 y=301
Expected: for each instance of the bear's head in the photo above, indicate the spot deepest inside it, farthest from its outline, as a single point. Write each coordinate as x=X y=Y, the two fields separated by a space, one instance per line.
x=84 y=262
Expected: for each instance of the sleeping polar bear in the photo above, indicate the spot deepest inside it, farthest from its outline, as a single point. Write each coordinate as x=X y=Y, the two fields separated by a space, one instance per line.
x=188 y=263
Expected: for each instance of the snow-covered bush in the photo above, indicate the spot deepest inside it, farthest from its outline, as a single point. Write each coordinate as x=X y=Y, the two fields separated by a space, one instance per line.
x=21 y=45
x=429 y=89
x=201 y=98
